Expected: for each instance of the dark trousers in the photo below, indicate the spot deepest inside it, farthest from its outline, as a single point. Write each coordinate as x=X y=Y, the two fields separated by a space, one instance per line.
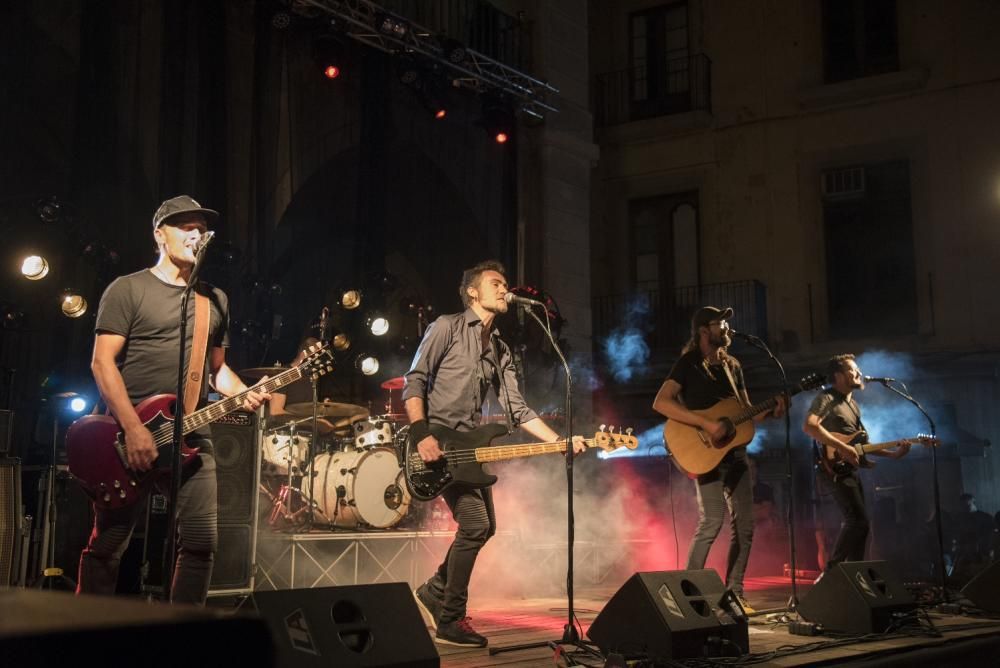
x=727 y=486
x=473 y=511
x=850 y=498
x=197 y=509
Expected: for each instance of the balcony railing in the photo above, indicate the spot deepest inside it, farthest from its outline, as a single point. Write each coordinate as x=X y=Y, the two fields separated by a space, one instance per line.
x=680 y=85
x=477 y=24
x=665 y=317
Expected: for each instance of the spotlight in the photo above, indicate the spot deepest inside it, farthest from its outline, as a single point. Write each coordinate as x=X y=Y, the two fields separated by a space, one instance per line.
x=378 y=324
x=498 y=121
x=35 y=267
x=11 y=317
x=366 y=364
x=408 y=70
x=390 y=25
x=341 y=342
x=73 y=305
x=329 y=56
x=70 y=402
x=453 y=50
x=350 y=299
x=280 y=20
x=49 y=209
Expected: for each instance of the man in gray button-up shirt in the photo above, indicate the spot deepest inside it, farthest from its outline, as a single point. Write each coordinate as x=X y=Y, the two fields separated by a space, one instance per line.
x=459 y=359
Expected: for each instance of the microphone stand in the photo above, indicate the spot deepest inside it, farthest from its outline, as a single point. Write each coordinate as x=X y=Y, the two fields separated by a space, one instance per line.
x=793 y=601
x=314 y=440
x=937 y=489
x=570 y=635
x=170 y=552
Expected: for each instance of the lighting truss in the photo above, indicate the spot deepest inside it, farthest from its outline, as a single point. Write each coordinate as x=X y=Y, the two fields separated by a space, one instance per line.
x=477 y=71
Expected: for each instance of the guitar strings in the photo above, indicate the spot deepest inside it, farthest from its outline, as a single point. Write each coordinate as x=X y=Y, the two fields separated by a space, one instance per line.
x=469 y=456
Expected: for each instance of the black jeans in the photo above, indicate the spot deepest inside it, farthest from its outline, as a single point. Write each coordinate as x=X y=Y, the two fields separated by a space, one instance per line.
x=850 y=498
x=473 y=510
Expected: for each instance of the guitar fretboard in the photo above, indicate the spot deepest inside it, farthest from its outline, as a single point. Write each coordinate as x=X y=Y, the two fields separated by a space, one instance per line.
x=497 y=453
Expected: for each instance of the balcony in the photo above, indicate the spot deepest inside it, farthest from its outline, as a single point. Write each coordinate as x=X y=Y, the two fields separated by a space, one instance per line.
x=665 y=317
x=680 y=85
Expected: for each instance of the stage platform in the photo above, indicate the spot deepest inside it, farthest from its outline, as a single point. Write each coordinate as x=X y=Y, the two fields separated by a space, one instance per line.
x=964 y=640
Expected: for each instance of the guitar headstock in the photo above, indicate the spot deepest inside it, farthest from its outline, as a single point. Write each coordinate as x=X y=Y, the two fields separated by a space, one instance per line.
x=608 y=440
x=318 y=361
x=927 y=439
x=811 y=382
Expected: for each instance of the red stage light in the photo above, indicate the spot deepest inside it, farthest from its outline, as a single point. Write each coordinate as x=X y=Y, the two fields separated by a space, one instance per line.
x=440 y=113
x=331 y=71
x=501 y=137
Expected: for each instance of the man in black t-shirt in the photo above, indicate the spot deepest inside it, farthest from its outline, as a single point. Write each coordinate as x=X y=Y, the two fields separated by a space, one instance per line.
x=135 y=356
x=704 y=375
x=834 y=411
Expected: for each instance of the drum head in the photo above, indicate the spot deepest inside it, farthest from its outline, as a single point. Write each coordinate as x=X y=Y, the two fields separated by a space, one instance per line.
x=380 y=495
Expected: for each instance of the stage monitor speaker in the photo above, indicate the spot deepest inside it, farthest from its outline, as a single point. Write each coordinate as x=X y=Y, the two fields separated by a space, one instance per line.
x=984 y=589
x=374 y=626
x=11 y=521
x=58 y=629
x=664 y=615
x=236 y=441
x=857 y=597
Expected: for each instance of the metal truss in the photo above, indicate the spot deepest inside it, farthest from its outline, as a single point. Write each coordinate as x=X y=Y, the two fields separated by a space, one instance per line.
x=476 y=71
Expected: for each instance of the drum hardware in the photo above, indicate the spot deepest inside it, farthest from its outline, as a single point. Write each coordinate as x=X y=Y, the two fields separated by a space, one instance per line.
x=327 y=409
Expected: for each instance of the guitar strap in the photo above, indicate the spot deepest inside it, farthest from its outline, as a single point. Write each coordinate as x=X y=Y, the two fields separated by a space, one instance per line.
x=199 y=347
x=732 y=383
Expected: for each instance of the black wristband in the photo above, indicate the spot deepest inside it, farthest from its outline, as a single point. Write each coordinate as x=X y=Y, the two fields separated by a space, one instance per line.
x=419 y=430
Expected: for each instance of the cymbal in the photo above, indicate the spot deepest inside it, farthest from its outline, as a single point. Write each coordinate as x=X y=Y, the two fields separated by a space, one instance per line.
x=394 y=383
x=327 y=409
x=261 y=371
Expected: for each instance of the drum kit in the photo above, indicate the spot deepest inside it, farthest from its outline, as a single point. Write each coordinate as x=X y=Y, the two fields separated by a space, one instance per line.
x=345 y=474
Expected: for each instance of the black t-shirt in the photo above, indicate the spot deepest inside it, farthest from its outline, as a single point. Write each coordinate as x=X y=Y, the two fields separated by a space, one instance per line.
x=703 y=385
x=836 y=412
x=146 y=311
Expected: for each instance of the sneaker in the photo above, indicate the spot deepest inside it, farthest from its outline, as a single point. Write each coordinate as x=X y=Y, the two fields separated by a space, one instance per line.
x=745 y=604
x=459 y=633
x=430 y=607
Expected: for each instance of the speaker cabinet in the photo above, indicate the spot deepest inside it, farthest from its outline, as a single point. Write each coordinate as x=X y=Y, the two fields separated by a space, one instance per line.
x=374 y=626
x=857 y=597
x=55 y=629
x=984 y=589
x=11 y=521
x=670 y=615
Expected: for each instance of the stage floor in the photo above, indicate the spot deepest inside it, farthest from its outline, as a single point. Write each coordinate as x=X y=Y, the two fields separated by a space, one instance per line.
x=964 y=639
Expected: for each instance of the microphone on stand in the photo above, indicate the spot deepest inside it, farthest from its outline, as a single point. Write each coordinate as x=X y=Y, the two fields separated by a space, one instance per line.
x=203 y=242
x=878 y=379
x=323 y=315
x=511 y=298
x=740 y=335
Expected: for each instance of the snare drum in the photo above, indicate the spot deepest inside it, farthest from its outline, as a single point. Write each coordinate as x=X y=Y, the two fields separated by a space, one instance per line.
x=359 y=487
x=372 y=433
x=283 y=449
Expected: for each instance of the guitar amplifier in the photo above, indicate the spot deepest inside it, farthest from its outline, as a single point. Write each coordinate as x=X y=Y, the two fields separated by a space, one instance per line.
x=11 y=518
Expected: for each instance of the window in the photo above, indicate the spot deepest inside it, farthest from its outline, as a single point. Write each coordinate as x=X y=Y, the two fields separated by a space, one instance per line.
x=659 y=60
x=664 y=242
x=860 y=38
x=870 y=266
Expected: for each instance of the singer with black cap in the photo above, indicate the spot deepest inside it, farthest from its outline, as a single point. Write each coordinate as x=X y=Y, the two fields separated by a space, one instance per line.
x=704 y=375
x=834 y=411
x=135 y=357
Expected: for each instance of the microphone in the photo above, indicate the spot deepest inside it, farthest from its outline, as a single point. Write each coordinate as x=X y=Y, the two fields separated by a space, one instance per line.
x=323 y=315
x=204 y=241
x=878 y=379
x=511 y=298
x=741 y=335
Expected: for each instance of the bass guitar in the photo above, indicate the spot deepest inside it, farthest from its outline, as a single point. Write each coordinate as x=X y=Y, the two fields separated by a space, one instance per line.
x=466 y=451
x=833 y=461
x=694 y=452
x=95 y=444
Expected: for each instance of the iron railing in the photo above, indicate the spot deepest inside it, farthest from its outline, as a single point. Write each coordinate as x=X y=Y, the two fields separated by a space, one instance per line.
x=680 y=85
x=664 y=318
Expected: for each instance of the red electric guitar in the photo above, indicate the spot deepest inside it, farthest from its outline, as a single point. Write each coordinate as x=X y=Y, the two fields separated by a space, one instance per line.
x=95 y=444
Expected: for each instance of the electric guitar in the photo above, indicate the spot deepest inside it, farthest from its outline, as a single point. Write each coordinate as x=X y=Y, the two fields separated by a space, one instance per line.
x=694 y=452
x=95 y=444
x=833 y=461
x=466 y=451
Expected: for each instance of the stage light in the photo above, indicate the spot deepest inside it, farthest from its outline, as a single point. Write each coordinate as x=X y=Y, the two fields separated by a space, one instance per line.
x=341 y=342
x=378 y=324
x=366 y=364
x=73 y=305
x=453 y=50
x=70 y=402
x=350 y=299
x=501 y=137
x=390 y=25
x=49 y=209
x=408 y=70
x=11 y=317
x=35 y=267
x=498 y=121
x=328 y=53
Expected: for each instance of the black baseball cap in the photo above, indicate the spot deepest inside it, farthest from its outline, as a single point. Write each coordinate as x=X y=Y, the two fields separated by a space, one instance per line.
x=707 y=314
x=182 y=204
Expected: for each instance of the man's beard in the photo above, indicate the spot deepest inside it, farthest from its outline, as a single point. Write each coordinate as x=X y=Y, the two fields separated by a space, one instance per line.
x=720 y=340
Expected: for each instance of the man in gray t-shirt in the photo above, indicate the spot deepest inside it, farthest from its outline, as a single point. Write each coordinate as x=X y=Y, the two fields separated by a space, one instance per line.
x=136 y=349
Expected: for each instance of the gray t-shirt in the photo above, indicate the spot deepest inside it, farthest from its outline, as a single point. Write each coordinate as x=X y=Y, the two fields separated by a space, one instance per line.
x=836 y=412
x=146 y=311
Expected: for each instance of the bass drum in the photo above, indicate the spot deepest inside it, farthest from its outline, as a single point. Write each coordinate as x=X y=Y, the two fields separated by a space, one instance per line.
x=359 y=488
